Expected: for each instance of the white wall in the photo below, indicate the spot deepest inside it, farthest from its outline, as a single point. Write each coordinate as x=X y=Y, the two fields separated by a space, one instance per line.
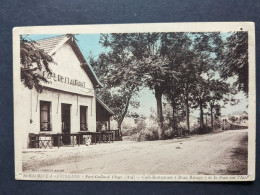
x=68 y=65
x=27 y=106
x=30 y=109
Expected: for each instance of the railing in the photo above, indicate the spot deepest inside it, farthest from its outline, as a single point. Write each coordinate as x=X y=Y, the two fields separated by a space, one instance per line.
x=44 y=140
x=115 y=134
x=230 y=126
x=234 y=126
x=87 y=137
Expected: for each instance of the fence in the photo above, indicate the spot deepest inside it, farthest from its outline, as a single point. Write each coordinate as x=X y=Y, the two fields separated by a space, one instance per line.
x=43 y=140
x=116 y=134
x=230 y=126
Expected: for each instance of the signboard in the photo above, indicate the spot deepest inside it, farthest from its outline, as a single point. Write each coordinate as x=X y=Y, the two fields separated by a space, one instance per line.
x=65 y=83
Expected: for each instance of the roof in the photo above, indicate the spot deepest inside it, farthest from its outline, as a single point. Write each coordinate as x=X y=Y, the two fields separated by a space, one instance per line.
x=51 y=45
x=104 y=106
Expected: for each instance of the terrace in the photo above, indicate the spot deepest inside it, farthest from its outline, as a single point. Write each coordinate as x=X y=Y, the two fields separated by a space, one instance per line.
x=48 y=140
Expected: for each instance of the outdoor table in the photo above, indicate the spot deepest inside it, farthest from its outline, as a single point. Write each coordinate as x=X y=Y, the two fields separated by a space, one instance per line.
x=60 y=136
x=41 y=140
x=94 y=135
x=74 y=141
x=44 y=142
x=49 y=142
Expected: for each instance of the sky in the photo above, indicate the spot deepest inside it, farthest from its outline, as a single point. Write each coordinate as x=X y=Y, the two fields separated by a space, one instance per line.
x=89 y=45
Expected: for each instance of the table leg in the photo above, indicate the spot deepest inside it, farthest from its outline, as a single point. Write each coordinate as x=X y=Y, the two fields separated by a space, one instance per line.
x=59 y=141
x=52 y=141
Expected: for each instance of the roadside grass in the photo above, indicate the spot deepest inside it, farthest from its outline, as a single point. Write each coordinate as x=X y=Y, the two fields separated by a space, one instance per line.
x=239 y=159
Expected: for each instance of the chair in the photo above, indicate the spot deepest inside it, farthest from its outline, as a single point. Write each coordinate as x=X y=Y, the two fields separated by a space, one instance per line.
x=33 y=140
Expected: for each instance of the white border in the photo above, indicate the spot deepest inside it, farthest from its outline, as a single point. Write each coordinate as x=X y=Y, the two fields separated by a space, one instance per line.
x=131 y=28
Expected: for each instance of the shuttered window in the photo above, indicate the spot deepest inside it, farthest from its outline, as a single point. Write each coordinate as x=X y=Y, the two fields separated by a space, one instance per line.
x=45 y=109
x=83 y=118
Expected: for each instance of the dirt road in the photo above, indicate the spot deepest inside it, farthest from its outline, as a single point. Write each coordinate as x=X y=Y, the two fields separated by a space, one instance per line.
x=218 y=153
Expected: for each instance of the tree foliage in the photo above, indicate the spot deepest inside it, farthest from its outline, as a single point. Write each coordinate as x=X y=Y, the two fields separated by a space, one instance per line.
x=235 y=60
x=119 y=101
x=32 y=60
x=117 y=70
x=134 y=60
x=182 y=66
x=217 y=92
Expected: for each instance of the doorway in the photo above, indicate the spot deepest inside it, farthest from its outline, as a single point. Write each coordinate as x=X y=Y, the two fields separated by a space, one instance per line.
x=65 y=123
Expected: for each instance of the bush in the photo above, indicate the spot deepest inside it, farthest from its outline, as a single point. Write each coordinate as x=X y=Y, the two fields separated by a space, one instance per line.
x=168 y=133
x=202 y=130
x=135 y=132
x=145 y=134
x=128 y=132
x=135 y=137
x=150 y=133
x=139 y=127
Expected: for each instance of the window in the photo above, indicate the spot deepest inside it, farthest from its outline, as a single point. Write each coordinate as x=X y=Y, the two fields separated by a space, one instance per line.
x=45 y=109
x=83 y=118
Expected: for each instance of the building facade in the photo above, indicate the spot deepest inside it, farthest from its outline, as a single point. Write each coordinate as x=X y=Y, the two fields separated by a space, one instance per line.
x=67 y=103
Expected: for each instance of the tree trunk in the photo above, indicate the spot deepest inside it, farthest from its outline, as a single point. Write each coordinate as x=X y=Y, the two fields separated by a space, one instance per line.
x=120 y=121
x=173 y=118
x=158 y=96
x=187 y=112
x=211 y=116
x=201 y=115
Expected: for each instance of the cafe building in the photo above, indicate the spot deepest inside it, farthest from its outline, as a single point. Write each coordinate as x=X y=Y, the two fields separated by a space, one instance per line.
x=67 y=104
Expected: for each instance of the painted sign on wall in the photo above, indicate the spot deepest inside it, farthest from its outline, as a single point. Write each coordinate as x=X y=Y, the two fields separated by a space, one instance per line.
x=65 y=83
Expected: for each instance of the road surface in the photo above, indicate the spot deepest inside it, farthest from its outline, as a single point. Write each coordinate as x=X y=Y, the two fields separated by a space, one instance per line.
x=219 y=153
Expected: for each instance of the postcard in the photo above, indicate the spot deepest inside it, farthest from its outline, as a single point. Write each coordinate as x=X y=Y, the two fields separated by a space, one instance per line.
x=135 y=102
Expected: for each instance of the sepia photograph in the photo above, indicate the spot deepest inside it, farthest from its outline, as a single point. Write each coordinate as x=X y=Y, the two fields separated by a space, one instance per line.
x=135 y=102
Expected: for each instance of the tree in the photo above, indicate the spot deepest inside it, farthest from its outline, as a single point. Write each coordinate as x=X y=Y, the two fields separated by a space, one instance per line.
x=218 y=89
x=217 y=111
x=235 y=60
x=195 y=61
x=176 y=46
x=155 y=77
x=137 y=58
x=117 y=71
x=175 y=98
x=32 y=59
x=179 y=65
x=119 y=101
x=206 y=46
x=200 y=96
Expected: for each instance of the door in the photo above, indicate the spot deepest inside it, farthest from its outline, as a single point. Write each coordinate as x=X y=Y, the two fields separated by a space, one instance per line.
x=65 y=121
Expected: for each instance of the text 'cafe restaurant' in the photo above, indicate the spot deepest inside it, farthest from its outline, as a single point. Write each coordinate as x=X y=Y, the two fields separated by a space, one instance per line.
x=67 y=111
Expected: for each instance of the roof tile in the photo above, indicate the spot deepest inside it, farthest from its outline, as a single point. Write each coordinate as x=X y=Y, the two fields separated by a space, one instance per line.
x=49 y=43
